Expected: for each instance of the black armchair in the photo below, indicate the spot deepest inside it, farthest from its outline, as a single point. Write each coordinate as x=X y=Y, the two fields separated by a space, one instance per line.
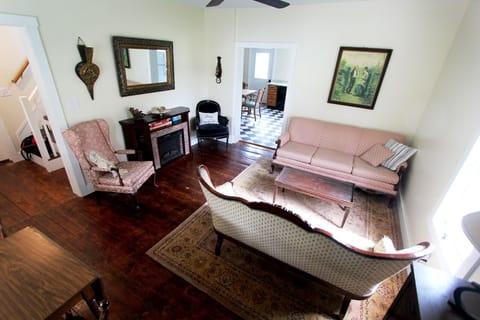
x=209 y=123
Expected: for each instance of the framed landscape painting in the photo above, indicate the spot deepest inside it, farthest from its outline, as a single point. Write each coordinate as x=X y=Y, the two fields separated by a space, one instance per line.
x=358 y=76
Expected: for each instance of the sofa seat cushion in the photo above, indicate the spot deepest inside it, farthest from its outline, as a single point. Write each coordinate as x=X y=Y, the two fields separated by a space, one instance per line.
x=363 y=169
x=297 y=151
x=333 y=160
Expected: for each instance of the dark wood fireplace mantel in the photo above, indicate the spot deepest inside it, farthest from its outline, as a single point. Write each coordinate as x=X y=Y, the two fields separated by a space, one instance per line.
x=143 y=135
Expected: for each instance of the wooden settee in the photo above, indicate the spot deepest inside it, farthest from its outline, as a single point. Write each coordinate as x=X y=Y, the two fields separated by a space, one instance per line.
x=355 y=272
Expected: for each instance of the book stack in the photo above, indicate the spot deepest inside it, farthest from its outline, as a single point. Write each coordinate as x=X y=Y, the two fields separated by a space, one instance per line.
x=160 y=124
x=176 y=119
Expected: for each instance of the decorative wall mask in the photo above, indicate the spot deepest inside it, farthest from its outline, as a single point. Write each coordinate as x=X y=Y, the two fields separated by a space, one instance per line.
x=86 y=70
x=218 y=70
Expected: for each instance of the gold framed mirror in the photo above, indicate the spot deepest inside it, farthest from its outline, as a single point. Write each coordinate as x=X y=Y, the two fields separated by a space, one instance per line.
x=143 y=65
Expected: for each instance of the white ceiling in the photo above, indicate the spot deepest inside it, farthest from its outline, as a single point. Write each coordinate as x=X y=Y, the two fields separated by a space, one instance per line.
x=254 y=4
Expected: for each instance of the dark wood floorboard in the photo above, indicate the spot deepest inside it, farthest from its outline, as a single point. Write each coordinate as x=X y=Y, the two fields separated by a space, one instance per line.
x=112 y=240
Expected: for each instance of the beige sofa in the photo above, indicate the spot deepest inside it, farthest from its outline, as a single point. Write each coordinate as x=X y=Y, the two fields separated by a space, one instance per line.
x=335 y=150
x=333 y=257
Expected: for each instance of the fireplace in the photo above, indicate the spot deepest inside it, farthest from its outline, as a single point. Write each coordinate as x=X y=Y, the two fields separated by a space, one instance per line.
x=170 y=147
x=170 y=143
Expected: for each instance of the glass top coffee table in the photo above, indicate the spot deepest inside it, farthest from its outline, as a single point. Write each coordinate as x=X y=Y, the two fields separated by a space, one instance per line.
x=338 y=192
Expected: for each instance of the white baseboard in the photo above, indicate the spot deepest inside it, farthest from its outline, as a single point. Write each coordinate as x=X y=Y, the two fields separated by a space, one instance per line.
x=402 y=217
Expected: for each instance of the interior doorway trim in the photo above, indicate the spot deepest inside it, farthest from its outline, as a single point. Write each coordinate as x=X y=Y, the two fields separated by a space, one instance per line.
x=43 y=76
x=238 y=79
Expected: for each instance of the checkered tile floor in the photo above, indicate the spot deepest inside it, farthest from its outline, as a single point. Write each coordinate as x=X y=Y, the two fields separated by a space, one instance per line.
x=265 y=131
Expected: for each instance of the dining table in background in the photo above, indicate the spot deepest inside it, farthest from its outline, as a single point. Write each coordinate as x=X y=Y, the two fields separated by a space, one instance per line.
x=248 y=92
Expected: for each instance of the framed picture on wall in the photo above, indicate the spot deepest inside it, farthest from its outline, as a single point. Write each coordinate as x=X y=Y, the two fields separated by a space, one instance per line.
x=358 y=76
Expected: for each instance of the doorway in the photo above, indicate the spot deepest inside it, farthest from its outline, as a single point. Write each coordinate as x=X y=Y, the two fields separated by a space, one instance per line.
x=35 y=52
x=27 y=129
x=266 y=66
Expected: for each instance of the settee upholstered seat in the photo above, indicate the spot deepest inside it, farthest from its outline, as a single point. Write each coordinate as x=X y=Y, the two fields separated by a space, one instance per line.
x=333 y=257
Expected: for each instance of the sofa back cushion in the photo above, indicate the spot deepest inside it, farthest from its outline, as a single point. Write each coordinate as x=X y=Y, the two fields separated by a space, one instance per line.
x=335 y=136
x=327 y=135
x=340 y=137
x=305 y=131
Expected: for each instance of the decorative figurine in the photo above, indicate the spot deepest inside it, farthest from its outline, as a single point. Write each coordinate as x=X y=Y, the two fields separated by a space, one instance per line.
x=136 y=113
x=218 y=70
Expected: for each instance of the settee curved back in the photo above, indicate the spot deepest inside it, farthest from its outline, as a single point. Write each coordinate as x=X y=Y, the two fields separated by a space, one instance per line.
x=282 y=235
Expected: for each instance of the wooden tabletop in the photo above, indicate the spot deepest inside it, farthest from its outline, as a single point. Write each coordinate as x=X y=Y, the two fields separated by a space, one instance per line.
x=316 y=186
x=38 y=278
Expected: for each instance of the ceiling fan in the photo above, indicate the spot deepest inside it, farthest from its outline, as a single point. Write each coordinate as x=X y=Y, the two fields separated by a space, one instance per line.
x=279 y=4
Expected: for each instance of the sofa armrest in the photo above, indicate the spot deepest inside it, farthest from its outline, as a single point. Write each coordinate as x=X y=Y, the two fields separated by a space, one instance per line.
x=402 y=168
x=284 y=138
x=223 y=120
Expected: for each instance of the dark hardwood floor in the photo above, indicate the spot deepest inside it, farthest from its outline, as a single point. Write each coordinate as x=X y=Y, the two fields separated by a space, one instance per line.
x=113 y=240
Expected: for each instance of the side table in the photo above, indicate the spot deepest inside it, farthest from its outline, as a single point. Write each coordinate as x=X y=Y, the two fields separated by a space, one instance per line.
x=425 y=295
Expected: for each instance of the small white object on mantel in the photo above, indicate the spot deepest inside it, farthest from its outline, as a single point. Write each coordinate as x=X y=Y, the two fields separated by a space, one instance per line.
x=5 y=92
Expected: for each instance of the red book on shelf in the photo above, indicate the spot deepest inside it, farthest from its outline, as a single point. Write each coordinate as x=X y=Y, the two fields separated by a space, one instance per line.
x=159 y=122
x=160 y=125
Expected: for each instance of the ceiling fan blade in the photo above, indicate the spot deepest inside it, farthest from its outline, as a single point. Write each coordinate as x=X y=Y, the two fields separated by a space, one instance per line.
x=279 y=4
x=214 y=3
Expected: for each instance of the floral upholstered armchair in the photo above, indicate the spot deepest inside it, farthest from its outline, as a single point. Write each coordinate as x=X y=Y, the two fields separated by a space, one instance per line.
x=91 y=146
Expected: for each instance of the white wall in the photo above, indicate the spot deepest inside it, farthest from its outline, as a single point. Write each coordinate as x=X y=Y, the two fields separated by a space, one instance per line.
x=448 y=129
x=282 y=65
x=62 y=22
x=220 y=42
x=419 y=32
x=13 y=57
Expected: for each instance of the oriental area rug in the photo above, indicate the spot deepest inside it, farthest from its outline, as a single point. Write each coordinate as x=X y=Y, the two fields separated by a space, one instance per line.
x=256 y=287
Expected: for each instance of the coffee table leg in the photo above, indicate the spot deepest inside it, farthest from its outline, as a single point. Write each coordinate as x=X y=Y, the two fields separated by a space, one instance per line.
x=345 y=215
x=275 y=194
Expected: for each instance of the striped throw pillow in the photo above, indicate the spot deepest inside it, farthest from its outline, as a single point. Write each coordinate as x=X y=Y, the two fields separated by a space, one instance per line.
x=402 y=154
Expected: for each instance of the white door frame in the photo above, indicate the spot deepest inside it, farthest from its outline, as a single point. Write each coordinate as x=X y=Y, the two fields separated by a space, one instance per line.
x=238 y=79
x=7 y=144
x=48 y=91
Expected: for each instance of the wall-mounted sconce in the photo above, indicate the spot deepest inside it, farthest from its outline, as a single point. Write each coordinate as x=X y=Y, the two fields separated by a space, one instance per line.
x=218 y=70
x=86 y=70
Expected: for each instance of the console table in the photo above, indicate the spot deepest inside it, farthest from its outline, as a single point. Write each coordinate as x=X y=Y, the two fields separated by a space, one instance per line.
x=161 y=138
